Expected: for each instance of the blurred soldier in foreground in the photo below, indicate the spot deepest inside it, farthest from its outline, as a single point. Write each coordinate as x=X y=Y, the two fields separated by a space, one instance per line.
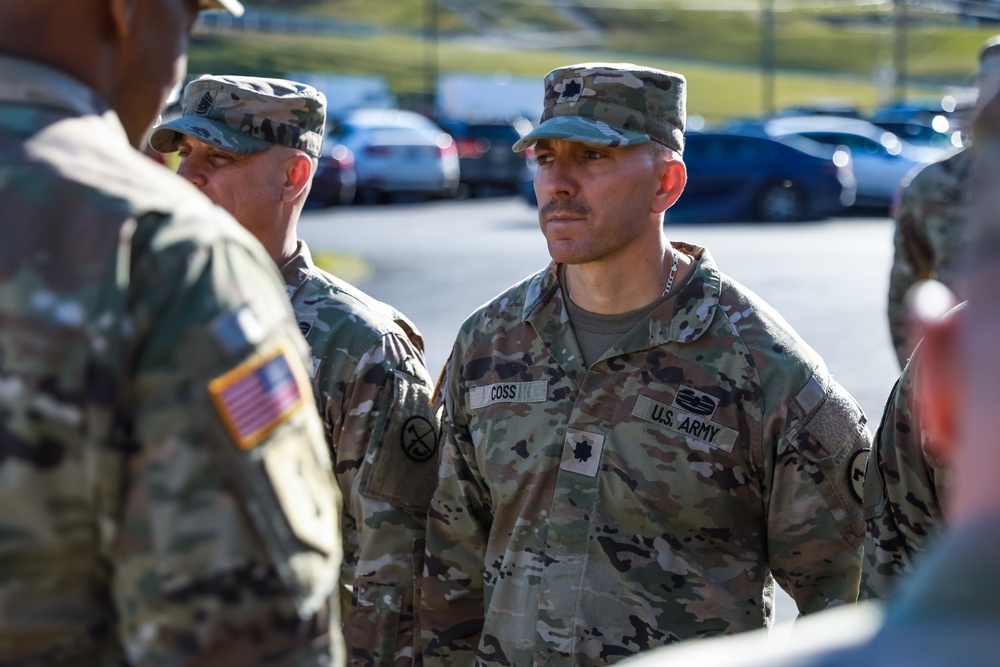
x=906 y=485
x=368 y=371
x=931 y=218
x=948 y=611
x=635 y=446
x=165 y=496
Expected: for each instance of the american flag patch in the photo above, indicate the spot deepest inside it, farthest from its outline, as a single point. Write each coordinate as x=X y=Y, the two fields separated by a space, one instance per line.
x=257 y=396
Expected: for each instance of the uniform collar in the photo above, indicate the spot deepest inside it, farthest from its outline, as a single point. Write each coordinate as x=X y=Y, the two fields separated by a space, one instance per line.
x=299 y=266
x=682 y=319
x=29 y=82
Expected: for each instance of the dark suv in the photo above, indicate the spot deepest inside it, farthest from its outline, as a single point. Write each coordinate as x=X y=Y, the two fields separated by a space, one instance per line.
x=487 y=163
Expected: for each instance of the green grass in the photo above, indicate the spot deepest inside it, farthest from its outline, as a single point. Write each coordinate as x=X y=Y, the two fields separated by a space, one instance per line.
x=719 y=52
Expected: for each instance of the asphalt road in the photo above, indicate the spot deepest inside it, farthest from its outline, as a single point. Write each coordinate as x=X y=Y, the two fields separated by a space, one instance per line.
x=438 y=261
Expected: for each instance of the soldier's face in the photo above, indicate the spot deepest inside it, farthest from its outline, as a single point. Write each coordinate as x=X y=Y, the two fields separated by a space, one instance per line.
x=248 y=186
x=595 y=203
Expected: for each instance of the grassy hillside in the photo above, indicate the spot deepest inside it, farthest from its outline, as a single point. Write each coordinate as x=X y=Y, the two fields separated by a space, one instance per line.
x=828 y=55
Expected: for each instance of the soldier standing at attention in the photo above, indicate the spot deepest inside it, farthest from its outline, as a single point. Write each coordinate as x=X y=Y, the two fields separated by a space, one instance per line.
x=165 y=494
x=931 y=218
x=635 y=447
x=368 y=372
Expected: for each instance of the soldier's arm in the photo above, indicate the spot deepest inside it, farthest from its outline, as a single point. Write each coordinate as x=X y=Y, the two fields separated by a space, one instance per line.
x=814 y=514
x=227 y=548
x=902 y=492
x=912 y=261
x=389 y=435
x=452 y=609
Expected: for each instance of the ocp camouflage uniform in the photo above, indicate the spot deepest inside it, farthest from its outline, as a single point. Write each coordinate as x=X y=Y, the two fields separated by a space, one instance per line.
x=584 y=515
x=904 y=489
x=164 y=492
x=930 y=224
x=374 y=395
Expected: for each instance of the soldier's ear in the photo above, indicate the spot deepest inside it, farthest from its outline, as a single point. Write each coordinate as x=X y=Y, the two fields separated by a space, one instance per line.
x=940 y=373
x=673 y=177
x=298 y=175
x=121 y=13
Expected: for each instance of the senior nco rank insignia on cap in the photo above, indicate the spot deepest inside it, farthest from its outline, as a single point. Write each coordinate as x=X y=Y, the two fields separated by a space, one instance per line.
x=257 y=396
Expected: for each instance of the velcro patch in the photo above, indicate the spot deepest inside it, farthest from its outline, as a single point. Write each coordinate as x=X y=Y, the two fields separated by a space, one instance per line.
x=684 y=423
x=508 y=392
x=404 y=469
x=582 y=452
x=258 y=395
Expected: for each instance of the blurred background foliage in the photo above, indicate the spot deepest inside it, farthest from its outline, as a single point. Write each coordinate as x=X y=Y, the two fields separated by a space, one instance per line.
x=829 y=52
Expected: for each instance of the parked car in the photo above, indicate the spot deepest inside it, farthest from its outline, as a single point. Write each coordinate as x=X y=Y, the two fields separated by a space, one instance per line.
x=741 y=177
x=335 y=181
x=921 y=134
x=486 y=161
x=881 y=159
x=397 y=151
x=736 y=177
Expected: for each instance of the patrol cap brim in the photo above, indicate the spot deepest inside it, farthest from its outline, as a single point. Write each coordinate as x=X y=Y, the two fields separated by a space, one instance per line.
x=234 y=7
x=166 y=137
x=580 y=128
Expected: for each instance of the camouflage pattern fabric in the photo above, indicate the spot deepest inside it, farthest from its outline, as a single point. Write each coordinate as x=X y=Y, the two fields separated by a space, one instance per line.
x=612 y=104
x=930 y=224
x=585 y=515
x=947 y=614
x=374 y=395
x=247 y=114
x=904 y=489
x=165 y=495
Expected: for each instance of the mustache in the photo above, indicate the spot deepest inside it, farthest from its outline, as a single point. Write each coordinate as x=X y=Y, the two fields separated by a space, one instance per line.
x=556 y=206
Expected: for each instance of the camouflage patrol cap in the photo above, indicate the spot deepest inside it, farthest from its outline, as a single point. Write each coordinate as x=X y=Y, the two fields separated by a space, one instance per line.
x=232 y=6
x=246 y=114
x=612 y=104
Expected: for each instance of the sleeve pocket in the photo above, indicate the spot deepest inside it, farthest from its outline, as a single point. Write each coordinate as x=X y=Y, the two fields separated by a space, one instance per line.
x=832 y=435
x=404 y=448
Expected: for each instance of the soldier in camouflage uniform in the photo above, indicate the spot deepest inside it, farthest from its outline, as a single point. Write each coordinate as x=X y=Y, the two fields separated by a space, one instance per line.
x=904 y=490
x=635 y=447
x=903 y=494
x=251 y=145
x=165 y=495
x=931 y=221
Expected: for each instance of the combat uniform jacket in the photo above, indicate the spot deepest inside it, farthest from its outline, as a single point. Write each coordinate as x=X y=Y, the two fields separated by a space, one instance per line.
x=584 y=515
x=930 y=225
x=946 y=614
x=905 y=487
x=165 y=492
x=374 y=395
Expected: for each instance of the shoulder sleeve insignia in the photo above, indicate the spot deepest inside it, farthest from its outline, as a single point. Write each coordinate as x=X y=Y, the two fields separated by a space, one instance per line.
x=258 y=395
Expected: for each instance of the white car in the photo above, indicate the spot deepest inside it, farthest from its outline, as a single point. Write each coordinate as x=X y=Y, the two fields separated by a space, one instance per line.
x=397 y=151
x=881 y=159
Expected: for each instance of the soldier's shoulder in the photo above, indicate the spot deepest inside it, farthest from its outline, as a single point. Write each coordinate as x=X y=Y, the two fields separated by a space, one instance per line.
x=508 y=308
x=947 y=172
x=87 y=153
x=766 y=337
x=343 y=312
